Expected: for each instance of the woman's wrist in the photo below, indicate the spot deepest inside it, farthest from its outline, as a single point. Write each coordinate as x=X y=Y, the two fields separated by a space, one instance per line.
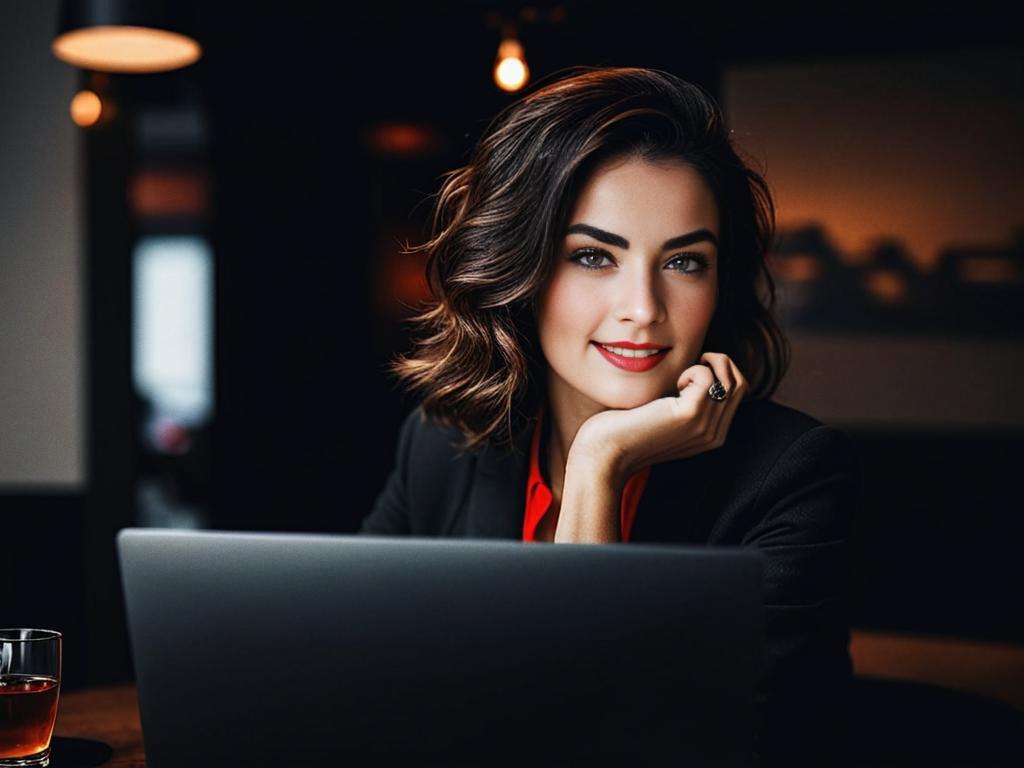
x=591 y=500
x=600 y=453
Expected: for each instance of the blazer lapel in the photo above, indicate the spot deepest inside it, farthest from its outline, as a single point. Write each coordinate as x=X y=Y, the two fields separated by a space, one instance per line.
x=497 y=501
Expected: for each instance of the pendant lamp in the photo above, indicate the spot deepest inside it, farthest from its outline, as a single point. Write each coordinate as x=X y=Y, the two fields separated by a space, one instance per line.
x=127 y=36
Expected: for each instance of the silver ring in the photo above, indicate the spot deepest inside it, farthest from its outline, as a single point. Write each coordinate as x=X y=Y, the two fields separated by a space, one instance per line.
x=717 y=391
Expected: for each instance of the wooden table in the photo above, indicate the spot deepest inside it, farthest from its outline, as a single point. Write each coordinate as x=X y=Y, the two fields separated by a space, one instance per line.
x=109 y=715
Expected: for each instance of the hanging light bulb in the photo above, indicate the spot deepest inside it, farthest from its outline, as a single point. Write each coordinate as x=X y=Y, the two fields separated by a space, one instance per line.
x=128 y=36
x=86 y=108
x=510 y=70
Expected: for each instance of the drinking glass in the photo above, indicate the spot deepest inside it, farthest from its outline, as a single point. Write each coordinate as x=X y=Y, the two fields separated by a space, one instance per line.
x=29 y=688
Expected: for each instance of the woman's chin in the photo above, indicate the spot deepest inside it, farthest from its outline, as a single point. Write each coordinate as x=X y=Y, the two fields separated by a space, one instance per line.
x=626 y=402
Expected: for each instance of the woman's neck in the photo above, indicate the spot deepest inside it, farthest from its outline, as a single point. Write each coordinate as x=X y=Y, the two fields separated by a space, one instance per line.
x=564 y=422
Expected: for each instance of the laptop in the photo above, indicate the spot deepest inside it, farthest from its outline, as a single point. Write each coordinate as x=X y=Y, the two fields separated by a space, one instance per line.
x=262 y=649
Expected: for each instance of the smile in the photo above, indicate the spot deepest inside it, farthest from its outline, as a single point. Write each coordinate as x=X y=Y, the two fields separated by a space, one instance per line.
x=637 y=360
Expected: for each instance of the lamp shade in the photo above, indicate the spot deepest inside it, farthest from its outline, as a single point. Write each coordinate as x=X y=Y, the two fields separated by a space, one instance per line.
x=130 y=36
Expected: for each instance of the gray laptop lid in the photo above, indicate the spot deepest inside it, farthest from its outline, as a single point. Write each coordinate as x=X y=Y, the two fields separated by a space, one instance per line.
x=287 y=649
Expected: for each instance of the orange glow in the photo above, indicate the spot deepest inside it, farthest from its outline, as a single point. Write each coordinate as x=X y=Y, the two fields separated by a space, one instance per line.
x=886 y=286
x=987 y=269
x=797 y=267
x=401 y=139
x=126 y=49
x=86 y=108
x=510 y=70
x=401 y=283
x=981 y=667
x=163 y=193
x=887 y=159
x=408 y=282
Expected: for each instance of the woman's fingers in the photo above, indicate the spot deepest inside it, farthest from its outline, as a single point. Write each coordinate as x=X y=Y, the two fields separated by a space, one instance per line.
x=722 y=366
x=693 y=400
x=693 y=383
x=726 y=372
x=708 y=419
x=718 y=409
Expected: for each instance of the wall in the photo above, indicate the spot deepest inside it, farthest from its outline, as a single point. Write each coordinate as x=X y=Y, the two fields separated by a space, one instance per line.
x=42 y=334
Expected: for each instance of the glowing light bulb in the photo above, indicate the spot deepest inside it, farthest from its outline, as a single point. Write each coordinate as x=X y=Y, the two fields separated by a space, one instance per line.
x=86 y=108
x=510 y=70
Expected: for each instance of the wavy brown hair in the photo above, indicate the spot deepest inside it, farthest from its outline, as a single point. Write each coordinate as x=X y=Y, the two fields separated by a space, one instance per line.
x=498 y=222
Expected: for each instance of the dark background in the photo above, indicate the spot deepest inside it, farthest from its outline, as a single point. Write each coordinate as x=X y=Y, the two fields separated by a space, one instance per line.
x=298 y=200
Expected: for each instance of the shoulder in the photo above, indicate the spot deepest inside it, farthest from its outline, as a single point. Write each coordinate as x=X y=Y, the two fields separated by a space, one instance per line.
x=426 y=482
x=809 y=473
x=772 y=420
x=780 y=455
x=770 y=431
x=427 y=447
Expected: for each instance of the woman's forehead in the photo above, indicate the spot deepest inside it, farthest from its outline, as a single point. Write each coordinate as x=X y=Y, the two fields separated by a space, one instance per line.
x=640 y=197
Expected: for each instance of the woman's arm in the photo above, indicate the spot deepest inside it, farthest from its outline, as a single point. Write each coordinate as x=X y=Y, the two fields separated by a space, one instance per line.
x=591 y=497
x=614 y=444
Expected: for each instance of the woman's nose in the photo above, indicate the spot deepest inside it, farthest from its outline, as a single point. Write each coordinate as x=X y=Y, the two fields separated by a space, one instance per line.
x=639 y=299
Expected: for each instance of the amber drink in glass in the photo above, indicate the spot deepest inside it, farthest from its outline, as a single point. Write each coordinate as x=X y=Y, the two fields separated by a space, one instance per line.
x=29 y=689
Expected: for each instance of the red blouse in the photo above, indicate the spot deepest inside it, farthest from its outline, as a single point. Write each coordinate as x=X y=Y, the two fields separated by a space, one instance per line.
x=538 y=492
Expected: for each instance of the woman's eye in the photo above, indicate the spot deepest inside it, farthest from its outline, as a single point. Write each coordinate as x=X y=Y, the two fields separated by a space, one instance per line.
x=589 y=258
x=699 y=260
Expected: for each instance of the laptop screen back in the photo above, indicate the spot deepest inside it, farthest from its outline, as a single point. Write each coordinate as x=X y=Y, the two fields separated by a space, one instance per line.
x=290 y=649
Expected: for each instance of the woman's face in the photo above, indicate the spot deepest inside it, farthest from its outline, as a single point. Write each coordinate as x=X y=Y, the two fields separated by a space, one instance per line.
x=637 y=265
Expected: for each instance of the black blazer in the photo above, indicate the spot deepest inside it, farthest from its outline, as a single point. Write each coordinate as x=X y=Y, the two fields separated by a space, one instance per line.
x=783 y=482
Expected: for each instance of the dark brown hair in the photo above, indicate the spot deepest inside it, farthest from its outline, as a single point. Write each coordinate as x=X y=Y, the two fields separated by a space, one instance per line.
x=498 y=222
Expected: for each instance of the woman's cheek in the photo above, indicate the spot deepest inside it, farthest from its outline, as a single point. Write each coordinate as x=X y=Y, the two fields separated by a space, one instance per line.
x=570 y=310
x=579 y=306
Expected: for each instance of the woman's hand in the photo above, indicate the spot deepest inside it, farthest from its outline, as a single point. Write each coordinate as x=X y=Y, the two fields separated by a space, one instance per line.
x=613 y=445
x=669 y=428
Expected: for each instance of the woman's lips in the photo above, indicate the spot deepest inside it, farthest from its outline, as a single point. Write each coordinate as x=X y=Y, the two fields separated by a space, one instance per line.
x=636 y=364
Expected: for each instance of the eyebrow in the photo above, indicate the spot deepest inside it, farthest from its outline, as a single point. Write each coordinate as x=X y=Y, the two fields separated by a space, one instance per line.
x=619 y=241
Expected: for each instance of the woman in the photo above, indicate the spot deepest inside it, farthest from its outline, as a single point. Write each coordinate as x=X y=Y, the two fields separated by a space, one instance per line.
x=598 y=363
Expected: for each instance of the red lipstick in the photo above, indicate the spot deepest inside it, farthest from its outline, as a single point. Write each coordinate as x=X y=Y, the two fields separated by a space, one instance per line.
x=630 y=345
x=634 y=364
